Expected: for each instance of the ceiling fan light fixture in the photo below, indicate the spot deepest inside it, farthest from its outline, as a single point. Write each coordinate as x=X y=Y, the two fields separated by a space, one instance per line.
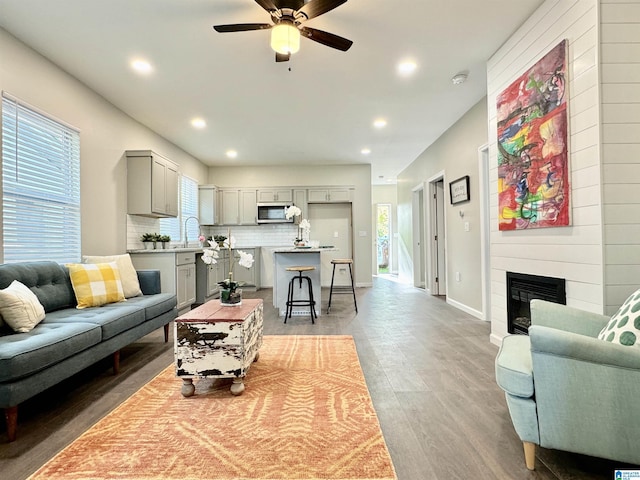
x=285 y=38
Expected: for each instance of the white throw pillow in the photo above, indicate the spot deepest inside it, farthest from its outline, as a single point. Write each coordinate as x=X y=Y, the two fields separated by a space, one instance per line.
x=128 y=275
x=624 y=326
x=20 y=308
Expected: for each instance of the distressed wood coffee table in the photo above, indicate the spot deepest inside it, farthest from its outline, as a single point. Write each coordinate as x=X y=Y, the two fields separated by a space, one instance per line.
x=212 y=341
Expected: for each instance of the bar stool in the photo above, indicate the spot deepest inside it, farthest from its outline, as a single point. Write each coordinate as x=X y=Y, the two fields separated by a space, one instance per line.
x=302 y=302
x=342 y=261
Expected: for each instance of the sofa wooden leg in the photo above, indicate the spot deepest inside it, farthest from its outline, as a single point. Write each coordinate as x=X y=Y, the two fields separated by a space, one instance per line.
x=11 y=415
x=116 y=362
x=529 y=454
x=166 y=333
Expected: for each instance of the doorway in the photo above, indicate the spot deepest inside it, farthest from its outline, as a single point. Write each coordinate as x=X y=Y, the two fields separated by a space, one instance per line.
x=437 y=237
x=331 y=224
x=383 y=238
x=419 y=244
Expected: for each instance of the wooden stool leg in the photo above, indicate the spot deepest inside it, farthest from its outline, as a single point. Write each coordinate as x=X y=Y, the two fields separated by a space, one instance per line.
x=333 y=273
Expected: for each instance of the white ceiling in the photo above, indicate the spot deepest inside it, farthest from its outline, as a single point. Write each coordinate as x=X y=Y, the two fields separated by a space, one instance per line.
x=319 y=112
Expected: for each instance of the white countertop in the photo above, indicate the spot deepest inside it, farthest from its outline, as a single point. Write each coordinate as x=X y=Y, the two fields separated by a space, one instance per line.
x=304 y=249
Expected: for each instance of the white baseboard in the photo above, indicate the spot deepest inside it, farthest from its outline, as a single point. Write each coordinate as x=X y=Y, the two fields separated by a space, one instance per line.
x=461 y=306
x=495 y=339
x=364 y=284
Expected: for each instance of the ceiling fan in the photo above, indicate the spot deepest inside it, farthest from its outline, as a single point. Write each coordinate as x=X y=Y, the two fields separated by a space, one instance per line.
x=287 y=17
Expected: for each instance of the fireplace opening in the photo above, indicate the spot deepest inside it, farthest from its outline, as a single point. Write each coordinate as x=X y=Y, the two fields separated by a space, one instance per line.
x=521 y=289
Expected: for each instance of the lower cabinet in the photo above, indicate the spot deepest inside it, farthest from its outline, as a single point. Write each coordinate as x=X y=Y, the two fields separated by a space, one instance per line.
x=177 y=273
x=249 y=276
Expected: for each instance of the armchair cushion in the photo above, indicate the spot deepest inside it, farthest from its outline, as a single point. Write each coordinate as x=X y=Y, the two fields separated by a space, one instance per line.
x=514 y=370
x=624 y=326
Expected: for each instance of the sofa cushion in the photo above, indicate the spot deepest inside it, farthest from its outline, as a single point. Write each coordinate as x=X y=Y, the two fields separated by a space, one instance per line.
x=514 y=369
x=96 y=284
x=48 y=280
x=624 y=326
x=23 y=354
x=111 y=321
x=20 y=308
x=153 y=305
x=128 y=275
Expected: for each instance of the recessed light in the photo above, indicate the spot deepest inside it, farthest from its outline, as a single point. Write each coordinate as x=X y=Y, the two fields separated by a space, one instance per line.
x=198 y=123
x=380 y=123
x=407 y=67
x=365 y=151
x=232 y=153
x=141 y=66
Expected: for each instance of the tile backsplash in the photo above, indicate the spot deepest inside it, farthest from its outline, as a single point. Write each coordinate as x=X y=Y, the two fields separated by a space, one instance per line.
x=274 y=235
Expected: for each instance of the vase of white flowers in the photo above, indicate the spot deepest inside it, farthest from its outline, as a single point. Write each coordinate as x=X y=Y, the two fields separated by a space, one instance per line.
x=304 y=227
x=230 y=293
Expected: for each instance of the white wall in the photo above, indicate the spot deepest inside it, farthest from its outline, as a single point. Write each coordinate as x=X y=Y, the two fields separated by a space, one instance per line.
x=575 y=252
x=456 y=154
x=105 y=133
x=358 y=176
x=620 y=81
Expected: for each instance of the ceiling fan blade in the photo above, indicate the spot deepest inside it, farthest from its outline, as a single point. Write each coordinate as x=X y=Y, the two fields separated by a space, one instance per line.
x=282 y=57
x=241 y=27
x=268 y=5
x=316 y=8
x=326 y=38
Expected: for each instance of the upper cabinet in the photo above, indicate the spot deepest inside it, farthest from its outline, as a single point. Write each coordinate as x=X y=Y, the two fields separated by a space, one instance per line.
x=208 y=205
x=152 y=184
x=275 y=195
x=239 y=206
x=329 y=195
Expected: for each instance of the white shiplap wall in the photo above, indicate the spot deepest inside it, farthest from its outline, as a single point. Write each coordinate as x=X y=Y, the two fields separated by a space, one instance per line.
x=620 y=80
x=575 y=252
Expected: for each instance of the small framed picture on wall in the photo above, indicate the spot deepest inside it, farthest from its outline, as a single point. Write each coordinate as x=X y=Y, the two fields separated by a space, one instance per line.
x=459 y=190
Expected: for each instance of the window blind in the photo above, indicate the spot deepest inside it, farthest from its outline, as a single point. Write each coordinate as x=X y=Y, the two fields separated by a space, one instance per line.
x=188 y=208
x=41 y=186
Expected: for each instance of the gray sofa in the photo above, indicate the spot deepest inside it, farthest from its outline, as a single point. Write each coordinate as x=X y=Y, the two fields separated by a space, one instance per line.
x=69 y=339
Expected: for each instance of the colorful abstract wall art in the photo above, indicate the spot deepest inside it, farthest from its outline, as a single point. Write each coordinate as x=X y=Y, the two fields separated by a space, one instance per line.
x=533 y=158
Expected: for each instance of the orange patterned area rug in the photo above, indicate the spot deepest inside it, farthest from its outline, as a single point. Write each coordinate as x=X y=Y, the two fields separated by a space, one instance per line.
x=306 y=414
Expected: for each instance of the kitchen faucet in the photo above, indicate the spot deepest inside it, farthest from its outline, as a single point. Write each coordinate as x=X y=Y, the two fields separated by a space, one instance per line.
x=186 y=241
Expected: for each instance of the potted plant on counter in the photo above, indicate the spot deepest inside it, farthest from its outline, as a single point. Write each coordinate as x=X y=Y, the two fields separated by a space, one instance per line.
x=149 y=240
x=165 y=239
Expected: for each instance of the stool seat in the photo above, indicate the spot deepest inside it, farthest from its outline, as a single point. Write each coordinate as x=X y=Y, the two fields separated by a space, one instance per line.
x=342 y=261
x=301 y=268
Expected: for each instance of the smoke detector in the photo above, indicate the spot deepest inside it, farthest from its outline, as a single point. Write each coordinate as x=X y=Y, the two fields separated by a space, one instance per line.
x=459 y=78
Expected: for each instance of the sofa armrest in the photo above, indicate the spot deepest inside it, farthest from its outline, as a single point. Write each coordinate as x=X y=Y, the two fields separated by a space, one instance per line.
x=149 y=281
x=562 y=317
x=582 y=348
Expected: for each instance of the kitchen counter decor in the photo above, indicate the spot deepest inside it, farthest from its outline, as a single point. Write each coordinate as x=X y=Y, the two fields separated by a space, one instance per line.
x=230 y=293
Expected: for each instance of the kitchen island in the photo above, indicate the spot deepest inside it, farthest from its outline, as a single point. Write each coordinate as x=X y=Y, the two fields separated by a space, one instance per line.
x=289 y=257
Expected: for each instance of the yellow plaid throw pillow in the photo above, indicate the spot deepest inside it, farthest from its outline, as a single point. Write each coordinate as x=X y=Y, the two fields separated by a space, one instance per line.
x=96 y=284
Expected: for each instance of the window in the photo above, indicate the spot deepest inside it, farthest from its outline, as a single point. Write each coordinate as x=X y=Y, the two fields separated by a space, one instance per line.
x=41 y=186
x=188 y=208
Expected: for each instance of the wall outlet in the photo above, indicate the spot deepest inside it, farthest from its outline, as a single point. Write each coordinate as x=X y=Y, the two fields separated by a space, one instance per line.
x=335 y=234
x=457 y=276
x=467 y=227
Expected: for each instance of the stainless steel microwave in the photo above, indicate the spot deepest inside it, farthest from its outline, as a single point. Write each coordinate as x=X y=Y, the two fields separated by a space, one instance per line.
x=273 y=212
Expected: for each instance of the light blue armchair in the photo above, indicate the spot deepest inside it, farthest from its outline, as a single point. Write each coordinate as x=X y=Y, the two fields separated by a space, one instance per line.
x=568 y=390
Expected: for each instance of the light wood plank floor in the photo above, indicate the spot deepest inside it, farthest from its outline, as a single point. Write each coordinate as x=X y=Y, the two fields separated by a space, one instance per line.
x=429 y=368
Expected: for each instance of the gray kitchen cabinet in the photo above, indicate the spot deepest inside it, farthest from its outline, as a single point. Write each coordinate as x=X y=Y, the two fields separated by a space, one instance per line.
x=238 y=206
x=208 y=277
x=208 y=205
x=177 y=273
x=152 y=184
x=250 y=276
x=329 y=195
x=300 y=201
x=266 y=195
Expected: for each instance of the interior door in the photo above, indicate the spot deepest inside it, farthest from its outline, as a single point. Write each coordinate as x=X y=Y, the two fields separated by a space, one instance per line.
x=440 y=240
x=331 y=225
